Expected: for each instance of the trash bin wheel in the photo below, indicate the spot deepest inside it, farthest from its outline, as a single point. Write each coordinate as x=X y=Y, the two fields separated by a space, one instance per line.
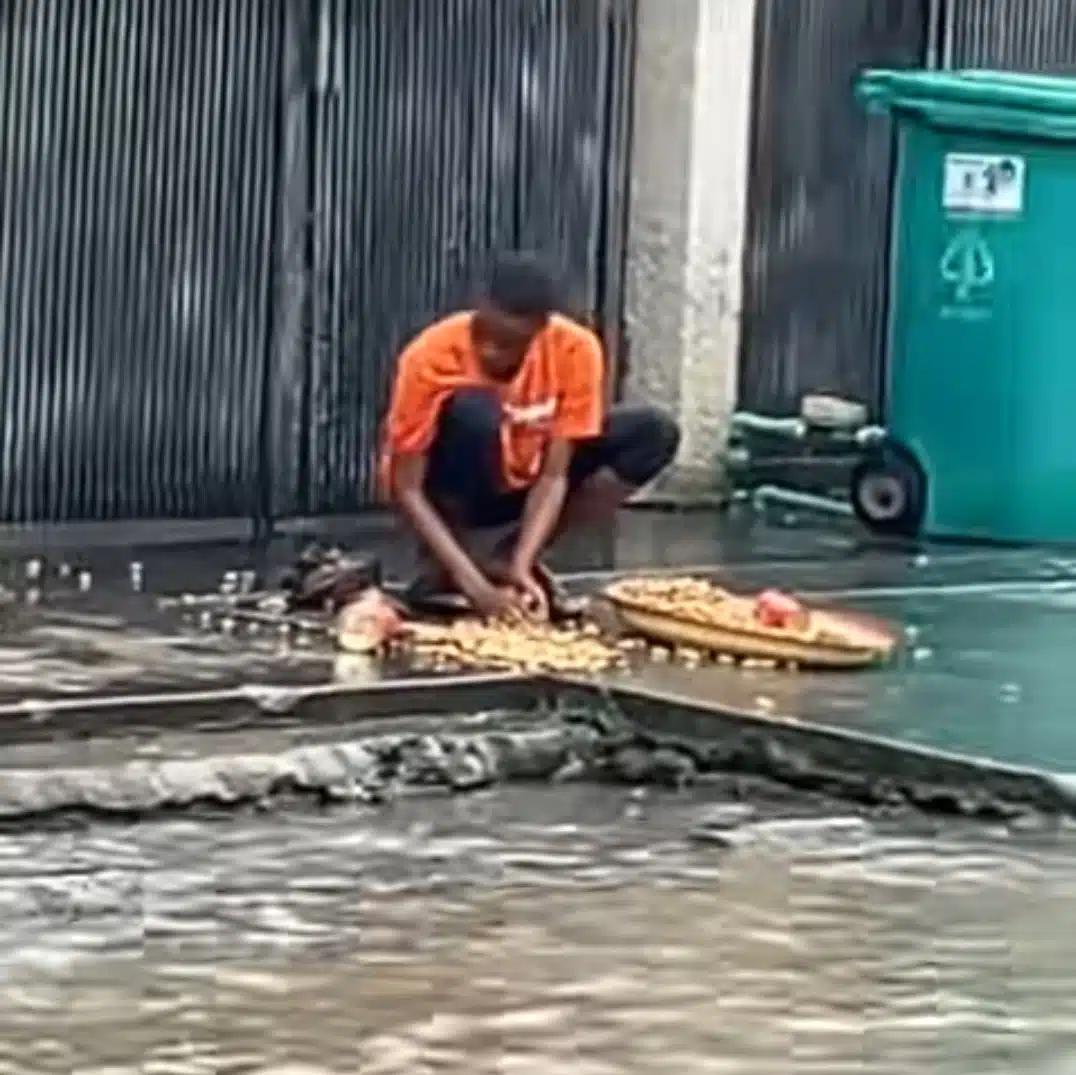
x=889 y=491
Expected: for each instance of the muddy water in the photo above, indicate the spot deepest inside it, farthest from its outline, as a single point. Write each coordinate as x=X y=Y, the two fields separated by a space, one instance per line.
x=563 y=930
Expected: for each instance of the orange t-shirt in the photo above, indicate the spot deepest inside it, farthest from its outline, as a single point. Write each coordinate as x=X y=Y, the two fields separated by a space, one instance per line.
x=557 y=393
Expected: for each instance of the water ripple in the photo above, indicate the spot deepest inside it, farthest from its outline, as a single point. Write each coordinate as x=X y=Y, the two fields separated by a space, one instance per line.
x=559 y=930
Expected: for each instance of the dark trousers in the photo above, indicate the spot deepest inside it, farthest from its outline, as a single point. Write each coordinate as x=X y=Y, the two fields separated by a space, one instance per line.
x=636 y=443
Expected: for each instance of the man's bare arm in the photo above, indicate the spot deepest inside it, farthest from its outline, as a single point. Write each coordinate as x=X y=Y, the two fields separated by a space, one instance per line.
x=408 y=482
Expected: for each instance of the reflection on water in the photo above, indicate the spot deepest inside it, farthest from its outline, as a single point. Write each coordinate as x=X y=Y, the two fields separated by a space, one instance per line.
x=529 y=931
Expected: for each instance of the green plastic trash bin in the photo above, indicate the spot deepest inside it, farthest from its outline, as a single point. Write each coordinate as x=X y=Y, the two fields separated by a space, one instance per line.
x=982 y=340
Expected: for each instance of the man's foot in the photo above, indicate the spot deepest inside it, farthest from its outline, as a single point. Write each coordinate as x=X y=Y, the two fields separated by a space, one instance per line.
x=562 y=606
x=433 y=594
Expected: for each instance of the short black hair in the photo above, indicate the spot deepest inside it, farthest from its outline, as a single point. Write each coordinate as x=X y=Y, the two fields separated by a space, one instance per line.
x=520 y=284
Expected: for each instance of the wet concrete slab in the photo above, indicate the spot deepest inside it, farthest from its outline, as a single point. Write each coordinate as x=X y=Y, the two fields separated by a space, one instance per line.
x=983 y=672
x=89 y=621
x=74 y=647
x=641 y=538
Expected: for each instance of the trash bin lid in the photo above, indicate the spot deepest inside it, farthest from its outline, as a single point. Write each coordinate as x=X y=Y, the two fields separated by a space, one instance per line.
x=1006 y=102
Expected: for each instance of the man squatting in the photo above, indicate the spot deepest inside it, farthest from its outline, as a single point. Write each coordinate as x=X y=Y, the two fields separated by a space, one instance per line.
x=497 y=419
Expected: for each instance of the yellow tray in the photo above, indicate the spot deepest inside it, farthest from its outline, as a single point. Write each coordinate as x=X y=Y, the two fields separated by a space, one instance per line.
x=864 y=642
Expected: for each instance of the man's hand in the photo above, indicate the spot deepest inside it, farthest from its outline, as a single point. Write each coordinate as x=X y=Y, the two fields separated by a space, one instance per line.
x=532 y=593
x=493 y=602
x=531 y=598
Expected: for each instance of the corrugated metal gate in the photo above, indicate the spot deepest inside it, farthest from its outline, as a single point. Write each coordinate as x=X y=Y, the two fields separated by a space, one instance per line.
x=138 y=167
x=444 y=132
x=219 y=220
x=1038 y=36
x=815 y=262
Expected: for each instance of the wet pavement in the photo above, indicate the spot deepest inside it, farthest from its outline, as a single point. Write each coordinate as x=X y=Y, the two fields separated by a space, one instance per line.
x=730 y=926
x=575 y=929
x=982 y=672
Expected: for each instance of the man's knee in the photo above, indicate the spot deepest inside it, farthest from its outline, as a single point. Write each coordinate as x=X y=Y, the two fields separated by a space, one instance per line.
x=645 y=441
x=465 y=455
x=664 y=434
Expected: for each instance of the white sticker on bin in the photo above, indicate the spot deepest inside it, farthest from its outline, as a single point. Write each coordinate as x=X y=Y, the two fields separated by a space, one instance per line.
x=984 y=184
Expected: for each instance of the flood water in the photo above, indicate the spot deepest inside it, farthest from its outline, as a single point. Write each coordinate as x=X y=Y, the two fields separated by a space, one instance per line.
x=571 y=929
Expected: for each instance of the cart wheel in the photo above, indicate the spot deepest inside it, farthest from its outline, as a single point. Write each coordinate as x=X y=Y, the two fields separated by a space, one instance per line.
x=889 y=491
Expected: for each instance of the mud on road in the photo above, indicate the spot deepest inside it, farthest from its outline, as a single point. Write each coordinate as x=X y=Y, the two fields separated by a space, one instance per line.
x=717 y=924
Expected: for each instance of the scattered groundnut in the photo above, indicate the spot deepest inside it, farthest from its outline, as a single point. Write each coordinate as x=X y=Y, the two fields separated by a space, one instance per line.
x=519 y=645
x=524 y=645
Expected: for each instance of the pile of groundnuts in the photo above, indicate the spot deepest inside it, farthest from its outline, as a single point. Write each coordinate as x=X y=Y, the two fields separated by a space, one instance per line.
x=580 y=647
x=516 y=645
x=700 y=602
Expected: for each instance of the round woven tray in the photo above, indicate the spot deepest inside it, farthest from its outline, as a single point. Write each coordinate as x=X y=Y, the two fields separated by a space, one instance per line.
x=861 y=642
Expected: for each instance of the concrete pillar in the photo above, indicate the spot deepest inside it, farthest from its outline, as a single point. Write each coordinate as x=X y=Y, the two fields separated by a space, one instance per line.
x=687 y=216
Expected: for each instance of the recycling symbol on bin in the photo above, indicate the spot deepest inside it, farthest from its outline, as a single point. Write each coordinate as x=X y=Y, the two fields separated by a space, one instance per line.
x=967 y=265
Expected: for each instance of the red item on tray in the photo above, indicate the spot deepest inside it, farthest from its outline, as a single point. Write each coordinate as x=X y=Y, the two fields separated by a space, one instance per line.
x=780 y=610
x=370 y=621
